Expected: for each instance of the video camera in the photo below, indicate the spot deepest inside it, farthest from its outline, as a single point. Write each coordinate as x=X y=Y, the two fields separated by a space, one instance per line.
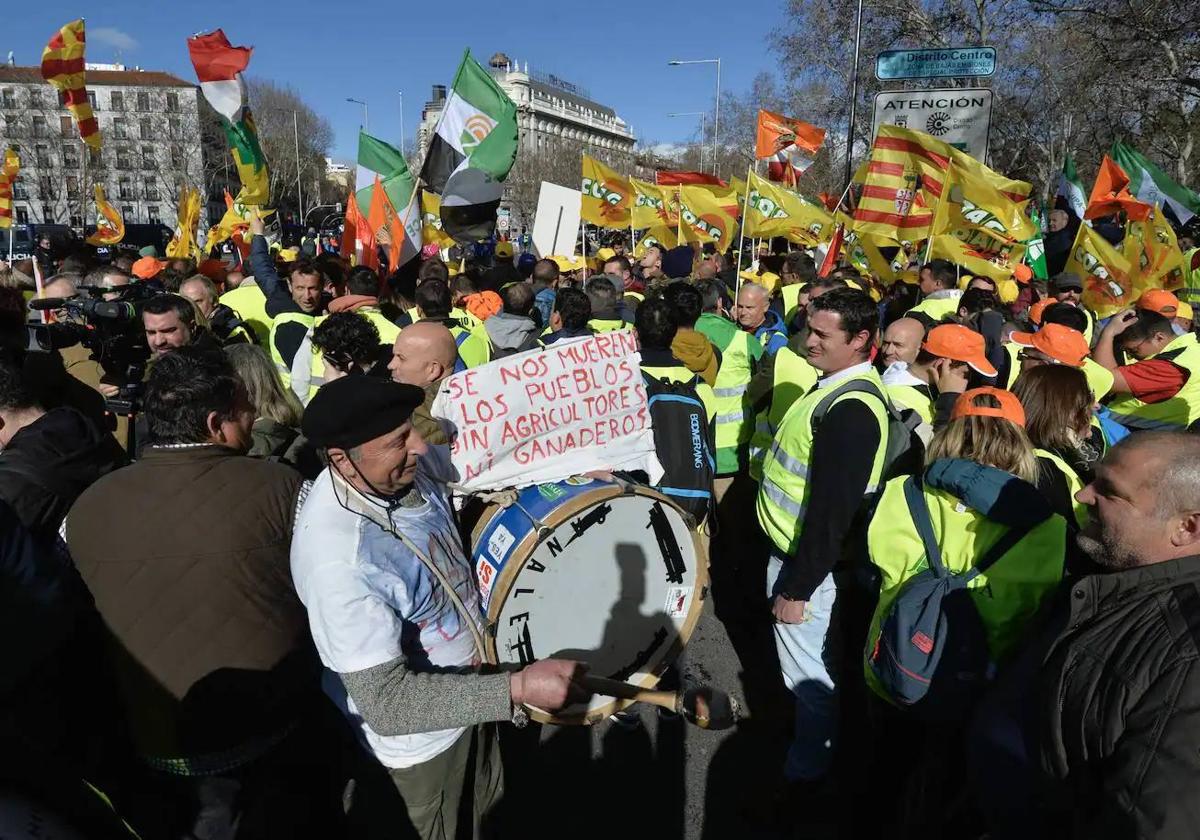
x=111 y=329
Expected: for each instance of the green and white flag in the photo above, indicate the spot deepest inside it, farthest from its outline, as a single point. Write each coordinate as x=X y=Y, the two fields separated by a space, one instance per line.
x=376 y=157
x=472 y=150
x=1151 y=185
x=1071 y=188
x=1035 y=247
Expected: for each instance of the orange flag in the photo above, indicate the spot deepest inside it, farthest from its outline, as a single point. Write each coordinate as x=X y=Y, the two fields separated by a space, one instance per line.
x=787 y=143
x=376 y=221
x=63 y=67
x=1111 y=194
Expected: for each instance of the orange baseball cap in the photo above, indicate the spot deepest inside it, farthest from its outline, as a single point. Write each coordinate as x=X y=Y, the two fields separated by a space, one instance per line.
x=146 y=268
x=1035 y=311
x=1022 y=273
x=1059 y=342
x=954 y=341
x=1160 y=301
x=1010 y=407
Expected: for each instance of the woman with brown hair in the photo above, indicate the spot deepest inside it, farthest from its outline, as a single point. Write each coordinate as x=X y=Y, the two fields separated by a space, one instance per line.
x=1058 y=415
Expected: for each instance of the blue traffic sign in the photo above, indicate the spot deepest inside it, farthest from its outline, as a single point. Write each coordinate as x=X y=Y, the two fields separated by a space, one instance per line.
x=935 y=64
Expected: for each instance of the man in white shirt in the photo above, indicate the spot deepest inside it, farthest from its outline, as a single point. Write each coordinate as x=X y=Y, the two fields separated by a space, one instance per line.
x=394 y=607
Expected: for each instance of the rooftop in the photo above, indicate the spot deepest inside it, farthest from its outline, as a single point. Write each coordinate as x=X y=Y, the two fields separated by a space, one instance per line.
x=139 y=78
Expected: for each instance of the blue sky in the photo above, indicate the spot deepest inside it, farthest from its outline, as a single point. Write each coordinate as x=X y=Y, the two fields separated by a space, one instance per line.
x=372 y=49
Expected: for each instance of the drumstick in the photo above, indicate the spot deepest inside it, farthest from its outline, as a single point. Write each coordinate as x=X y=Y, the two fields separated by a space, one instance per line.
x=706 y=707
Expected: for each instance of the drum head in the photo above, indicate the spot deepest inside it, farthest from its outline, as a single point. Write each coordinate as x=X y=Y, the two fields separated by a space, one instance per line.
x=611 y=579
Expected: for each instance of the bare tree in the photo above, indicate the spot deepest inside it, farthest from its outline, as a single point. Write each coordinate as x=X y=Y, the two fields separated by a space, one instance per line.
x=289 y=129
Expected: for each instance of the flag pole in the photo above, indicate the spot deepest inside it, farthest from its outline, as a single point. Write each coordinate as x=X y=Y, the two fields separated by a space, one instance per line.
x=742 y=232
x=37 y=281
x=679 y=214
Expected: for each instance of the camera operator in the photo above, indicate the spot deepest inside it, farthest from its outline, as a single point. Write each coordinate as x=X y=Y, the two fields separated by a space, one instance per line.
x=227 y=328
x=170 y=323
x=109 y=277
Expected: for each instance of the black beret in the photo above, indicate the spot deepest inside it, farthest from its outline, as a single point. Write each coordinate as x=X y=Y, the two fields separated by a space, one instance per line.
x=355 y=409
x=1066 y=280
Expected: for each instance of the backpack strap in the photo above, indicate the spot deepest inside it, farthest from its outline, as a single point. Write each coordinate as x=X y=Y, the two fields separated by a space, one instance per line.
x=863 y=386
x=919 y=511
x=1003 y=545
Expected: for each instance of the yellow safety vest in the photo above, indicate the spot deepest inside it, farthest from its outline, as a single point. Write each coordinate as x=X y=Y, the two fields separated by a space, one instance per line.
x=609 y=324
x=910 y=396
x=791 y=302
x=1012 y=349
x=735 y=424
x=251 y=306
x=1074 y=484
x=792 y=378
x=1007 y=595
x=783 y=491
x=465 y=318
x=676 y=373
x=284 y=369
x=638 y=296
x=473 y=349
x=1178 y=412
x=387 y=335
x=1099 y=378
x=937 y=308
x=1190 y=293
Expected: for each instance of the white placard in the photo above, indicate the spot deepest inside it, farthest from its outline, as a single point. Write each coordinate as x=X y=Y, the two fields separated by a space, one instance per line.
x=958 y=116
x=556 y=225
x=576 y=406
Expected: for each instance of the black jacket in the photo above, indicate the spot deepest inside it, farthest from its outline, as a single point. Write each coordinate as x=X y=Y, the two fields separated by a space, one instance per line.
x=49 y=463
x=1118 y=706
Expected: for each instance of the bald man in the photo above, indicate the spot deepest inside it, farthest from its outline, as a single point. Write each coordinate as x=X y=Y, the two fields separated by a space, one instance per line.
x=754 y=316
x=424 y=355
x=901 y=341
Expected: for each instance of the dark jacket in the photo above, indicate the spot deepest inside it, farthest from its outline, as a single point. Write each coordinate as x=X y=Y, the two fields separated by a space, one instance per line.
x=49 y=463
x=187 y=555
x=1118 y=705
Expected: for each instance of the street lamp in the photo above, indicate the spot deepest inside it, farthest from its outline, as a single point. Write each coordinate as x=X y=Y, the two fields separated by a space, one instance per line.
x=366 y=126
x=703 y=115
x=717 y=115
x=401 y=121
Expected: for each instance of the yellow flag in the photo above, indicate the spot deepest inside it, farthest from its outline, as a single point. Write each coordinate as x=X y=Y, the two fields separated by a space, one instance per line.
x=983 y=255
x=772 y=210
x=705 y=214
x=654 y=206
x=110 y=226
x=431 y=220
x=662 y=236
x=970 y=202
x=237 y=217
x=1153 y=253
x=865 y=253
x=607 y=196
x=183 y=242
x=739 y=188
x=1107 y=285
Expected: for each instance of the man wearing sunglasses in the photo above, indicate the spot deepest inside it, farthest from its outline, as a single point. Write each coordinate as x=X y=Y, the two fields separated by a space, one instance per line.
x=1068 y=288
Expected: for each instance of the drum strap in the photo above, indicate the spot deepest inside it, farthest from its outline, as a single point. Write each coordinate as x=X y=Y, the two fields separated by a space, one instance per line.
x=377 y=514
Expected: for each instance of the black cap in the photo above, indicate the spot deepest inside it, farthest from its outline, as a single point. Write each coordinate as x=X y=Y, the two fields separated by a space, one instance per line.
x=355 y=409
x=1066 y=280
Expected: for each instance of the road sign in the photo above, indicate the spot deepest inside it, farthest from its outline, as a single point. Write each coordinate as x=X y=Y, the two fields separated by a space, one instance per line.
x=935 y=64
x=958 y=116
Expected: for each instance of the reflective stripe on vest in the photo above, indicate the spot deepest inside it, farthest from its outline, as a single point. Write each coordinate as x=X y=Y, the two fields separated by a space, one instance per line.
x=783 y=494
x=284 y=369
x=792 y=378
x=1178 y=412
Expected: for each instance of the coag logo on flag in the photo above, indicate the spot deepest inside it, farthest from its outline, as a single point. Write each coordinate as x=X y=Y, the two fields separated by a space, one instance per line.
x=475 y=131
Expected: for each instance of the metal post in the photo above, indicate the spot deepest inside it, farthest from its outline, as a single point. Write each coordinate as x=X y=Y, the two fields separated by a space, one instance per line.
x=402 y=122
x=853 y=95
x=717 y=123
x=742 y=232
x=299 y=190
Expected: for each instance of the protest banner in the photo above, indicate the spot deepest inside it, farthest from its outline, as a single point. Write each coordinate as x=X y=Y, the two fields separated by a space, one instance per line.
x=545 y=415
x=556 y=225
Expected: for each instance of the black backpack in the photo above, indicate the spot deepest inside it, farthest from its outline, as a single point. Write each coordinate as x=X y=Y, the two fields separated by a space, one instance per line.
x=683 y=441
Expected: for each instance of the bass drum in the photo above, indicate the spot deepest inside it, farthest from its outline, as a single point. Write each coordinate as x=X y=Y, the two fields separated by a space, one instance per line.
x=601 y=572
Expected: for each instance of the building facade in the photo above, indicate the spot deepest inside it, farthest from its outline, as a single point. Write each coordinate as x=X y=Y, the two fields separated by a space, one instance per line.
x=150 y=145
x=558 y=122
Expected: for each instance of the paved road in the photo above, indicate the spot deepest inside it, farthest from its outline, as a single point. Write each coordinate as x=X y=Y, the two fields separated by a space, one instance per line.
x=665 y=779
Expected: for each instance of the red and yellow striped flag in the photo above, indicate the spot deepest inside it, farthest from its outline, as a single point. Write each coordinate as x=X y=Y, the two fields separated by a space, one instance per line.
x=8 y=176
x=62 y=67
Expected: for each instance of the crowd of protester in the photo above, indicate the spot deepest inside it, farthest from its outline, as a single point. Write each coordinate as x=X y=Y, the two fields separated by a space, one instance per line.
x=241 y=604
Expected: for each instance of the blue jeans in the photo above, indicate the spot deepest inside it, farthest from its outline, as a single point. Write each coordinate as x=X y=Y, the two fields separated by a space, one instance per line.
x=807 y=652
